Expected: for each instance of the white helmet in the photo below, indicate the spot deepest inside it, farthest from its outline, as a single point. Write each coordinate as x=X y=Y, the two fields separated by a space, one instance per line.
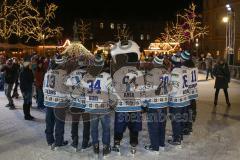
x=125 y=47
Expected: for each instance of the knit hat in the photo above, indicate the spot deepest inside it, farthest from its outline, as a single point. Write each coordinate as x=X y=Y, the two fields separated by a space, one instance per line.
x=185 y=55
x=60 y=59
x=176 y=59
x=158 y=60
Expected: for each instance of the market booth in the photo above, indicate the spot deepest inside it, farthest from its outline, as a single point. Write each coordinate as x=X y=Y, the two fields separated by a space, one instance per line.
x=157 y=48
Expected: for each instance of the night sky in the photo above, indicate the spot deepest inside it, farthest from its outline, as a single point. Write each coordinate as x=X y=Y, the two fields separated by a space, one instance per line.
x=149 y=10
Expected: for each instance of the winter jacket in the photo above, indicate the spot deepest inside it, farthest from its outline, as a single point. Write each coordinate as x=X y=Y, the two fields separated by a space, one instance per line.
x=10 y=76
x=209 y=62
x=16 y=69
x=222 y=74
x=26 y=79
x=39 y=77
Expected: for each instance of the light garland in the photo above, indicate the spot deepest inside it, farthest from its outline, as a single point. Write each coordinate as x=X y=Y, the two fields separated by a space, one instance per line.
x=186 y=29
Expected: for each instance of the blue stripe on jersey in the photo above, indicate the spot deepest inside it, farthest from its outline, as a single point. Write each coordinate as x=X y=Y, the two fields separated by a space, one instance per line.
x=77 y=105
x=57 y=104
x=158 y=105
x=128 y=109
x=97 y=111
x=181 y=104
x=194 y=96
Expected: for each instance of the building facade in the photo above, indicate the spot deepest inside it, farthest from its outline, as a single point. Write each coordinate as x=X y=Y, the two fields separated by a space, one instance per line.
x=105 y=30
x=215 y=41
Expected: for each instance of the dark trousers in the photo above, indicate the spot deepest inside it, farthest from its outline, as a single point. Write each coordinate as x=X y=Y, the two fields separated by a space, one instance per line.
x=76 y=114
x=27 y=101
x=191 y=112
x=55 y=119
x=40 y=98
x=15 y=90
x=209 y=71
x=157 y=119
x=105 y=120
x=225 y=93
x=8 y=89
x=132 y=120
x=177 y=118
x=1 y=82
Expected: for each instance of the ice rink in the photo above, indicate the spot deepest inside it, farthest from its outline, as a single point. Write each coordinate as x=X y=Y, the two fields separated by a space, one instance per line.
x=216 y=134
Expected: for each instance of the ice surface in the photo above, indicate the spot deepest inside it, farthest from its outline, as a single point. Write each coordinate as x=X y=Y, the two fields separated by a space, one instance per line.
x=215 y=136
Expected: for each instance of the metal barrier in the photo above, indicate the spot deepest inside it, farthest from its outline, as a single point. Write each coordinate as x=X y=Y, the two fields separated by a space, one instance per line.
x=235 y=72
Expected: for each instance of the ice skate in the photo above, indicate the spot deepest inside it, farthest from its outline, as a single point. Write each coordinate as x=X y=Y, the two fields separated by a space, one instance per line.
x=116 y=148
x=133 y=150
x=86 y=147
x=57 y=147
x=176 y=143
x=150 y=149
x=106 y=150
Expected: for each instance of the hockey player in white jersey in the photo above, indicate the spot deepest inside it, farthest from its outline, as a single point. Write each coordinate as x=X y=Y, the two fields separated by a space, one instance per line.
x=192 y=88
x=128 y=86
x=97 y=86
x=77 y=105
x=55 y=99
x=178 y=99
x=156 y=100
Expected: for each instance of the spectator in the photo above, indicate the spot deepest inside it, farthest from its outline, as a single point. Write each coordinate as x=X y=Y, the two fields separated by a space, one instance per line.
x=16 y=68
x=209 y=65
x=26 y=82
x=222 y=74
x=9 y=81
x=39 y=76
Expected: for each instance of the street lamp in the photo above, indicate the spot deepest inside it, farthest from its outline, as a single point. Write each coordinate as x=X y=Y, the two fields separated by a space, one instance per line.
x=230 y=33
x=197 y=45
x=225 y=19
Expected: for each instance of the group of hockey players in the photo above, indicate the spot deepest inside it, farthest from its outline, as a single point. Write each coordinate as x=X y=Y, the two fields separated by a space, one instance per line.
x=93 y=88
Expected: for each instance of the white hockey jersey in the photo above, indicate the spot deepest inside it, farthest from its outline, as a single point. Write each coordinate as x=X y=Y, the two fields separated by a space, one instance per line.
x=192 y=86
x=76 y=91
x=55 y=92
x=157 y=87
x=129 y=88
x=178 y=96
x=97 y=92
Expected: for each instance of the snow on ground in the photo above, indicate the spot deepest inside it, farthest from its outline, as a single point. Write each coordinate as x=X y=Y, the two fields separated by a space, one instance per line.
x=216 y=133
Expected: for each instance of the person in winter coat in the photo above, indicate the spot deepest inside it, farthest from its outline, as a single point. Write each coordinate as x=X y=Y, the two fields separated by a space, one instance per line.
x=16 y=68
x=209 y=65
x=39 y=77
x=26 y=82
x=9 y=81
x=222 y=74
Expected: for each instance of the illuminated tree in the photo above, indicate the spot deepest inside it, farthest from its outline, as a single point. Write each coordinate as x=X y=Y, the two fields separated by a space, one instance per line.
x=122 y=33
x=84 y=31
x=5 y=24
x=187 y=28
x=20 y=14
x=39 y=27
x=190 y=24
x=25 y=20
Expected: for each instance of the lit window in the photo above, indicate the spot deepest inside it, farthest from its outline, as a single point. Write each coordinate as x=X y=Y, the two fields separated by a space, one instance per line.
x=142 y=37
x=112 y=25
x=148 y=37
x=101 y=25
x=118 y=26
